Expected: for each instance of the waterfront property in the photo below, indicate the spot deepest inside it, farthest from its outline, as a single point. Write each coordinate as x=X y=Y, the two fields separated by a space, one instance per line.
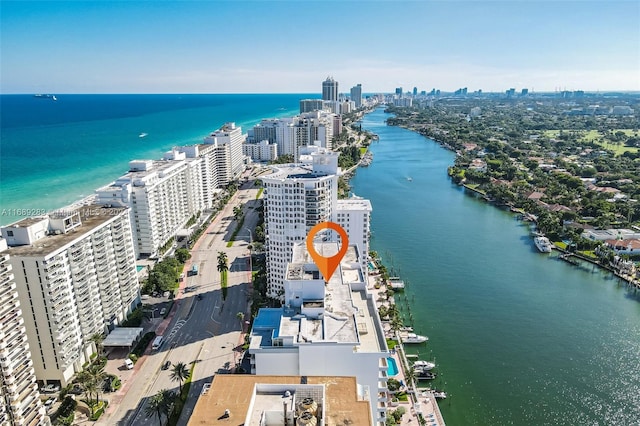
x=299 y=196
x=281 y=400
x=76 y=276
x=328 y=328
x=19 y=399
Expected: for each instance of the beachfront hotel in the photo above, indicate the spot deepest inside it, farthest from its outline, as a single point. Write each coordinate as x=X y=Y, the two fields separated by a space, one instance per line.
x=261 y=151
x=228 y=142
x=292 y=134
x=75 y=276
x=161 y=197
x=19 y=398
x=324 y=328
x=281 y=400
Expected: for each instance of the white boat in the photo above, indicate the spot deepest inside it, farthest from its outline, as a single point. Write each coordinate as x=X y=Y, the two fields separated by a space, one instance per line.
x=414 y=338
x=406 y=328
x=440 y=394
x=54 y=97
x=543 y=244
x=424 y=365
x=142 y=135
x=396 y=283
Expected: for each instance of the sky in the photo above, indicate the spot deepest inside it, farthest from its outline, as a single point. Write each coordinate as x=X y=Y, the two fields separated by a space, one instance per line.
x=291 y=46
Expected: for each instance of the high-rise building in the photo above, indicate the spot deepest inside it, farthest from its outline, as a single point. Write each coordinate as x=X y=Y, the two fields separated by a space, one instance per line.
x=75 y=271
x=324 y=328
x=415 y=91
x=330 y=89
x=308 y=105
x=228 y=140
x=161 y=198
x=356 y=95
x=261 y=151
x=19 y=399
x=296 y=197
x=354 y=215
x=398 y=91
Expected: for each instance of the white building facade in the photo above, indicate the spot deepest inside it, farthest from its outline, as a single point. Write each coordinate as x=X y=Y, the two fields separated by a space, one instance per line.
x=299 y=196
x=261 y=151
x=228 y=141
x=76 y=276
x=354 y=215
x=324 y=328
x=19 y=398
x=160 y=196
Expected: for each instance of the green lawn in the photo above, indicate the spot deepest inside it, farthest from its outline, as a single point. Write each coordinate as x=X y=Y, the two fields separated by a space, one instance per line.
x=597 y=137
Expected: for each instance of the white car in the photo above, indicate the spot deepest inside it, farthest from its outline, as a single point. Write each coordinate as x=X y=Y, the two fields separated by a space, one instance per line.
x=50 y=389
x=49 y=402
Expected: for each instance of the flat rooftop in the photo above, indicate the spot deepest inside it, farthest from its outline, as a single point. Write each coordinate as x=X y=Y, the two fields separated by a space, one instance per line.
x=293 y=171
x=237 y=393
x=349 y=313
x=92 y=216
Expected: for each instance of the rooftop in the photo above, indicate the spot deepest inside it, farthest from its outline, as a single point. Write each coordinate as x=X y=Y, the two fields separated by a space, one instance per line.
x=246 y=395
x=92 y=216
x=349 y=314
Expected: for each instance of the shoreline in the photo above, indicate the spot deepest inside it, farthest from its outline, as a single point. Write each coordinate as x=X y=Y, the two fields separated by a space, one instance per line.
x=631 y=282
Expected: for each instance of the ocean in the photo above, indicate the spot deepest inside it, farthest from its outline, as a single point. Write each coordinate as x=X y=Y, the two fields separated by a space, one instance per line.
x=53 y=153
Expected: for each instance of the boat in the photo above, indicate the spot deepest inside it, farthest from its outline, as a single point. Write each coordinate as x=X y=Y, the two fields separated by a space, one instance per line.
x=409 y=178
x=409 y=329
x=439 y=394
x=142 y=135
x=54 y=97
x=543 y=244
x=396 y=283
x=425 y=375
x=45 y=96
x=414 y=338
x=423 y=365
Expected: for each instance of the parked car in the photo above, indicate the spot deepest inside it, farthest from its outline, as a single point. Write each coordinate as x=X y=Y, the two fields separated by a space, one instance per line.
x=128 y=364
x=76 y=390
x=49 y=402
x=50 y=389
x=163 y=311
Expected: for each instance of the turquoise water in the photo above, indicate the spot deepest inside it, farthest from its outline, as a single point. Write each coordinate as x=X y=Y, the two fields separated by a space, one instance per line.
x=139 y=268
x=53 y=153
x=392 y=367
x=520 y=338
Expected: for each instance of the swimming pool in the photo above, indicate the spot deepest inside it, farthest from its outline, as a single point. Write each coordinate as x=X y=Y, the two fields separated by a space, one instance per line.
x=139 y=268
x=392 y=367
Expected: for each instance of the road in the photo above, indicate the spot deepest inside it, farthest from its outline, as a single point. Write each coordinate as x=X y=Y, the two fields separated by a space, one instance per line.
x=203 y=330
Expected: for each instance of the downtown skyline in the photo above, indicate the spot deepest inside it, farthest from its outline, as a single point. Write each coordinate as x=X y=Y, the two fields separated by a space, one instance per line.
x=255 y=47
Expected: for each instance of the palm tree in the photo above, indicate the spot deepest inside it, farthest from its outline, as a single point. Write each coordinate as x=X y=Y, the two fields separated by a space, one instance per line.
x=180 y=373
x=222 y=262
x=97 y=339
x=155 y=405
x=237 y=212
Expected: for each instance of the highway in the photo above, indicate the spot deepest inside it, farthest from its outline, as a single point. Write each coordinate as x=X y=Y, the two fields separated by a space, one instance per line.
x=203 y=330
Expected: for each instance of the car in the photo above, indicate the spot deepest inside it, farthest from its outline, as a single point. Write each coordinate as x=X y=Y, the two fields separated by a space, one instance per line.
x=163 y=311
x=50 y=389
x=166 y=365
x=199 y=297
x=49 y=402
x=76 y=390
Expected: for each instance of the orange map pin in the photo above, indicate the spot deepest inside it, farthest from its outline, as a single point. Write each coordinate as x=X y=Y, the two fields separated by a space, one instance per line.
x=327 y=265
